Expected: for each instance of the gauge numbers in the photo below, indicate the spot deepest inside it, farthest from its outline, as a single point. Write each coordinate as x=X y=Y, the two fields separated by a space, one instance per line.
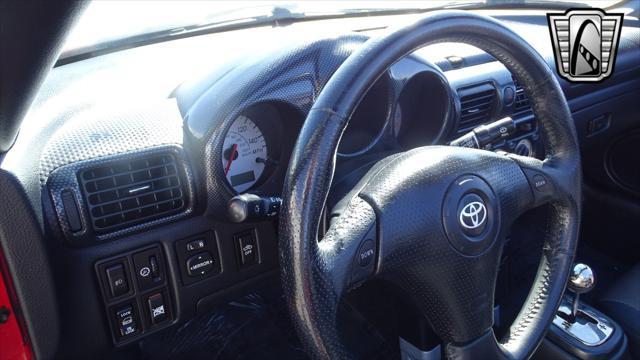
x=244 y=154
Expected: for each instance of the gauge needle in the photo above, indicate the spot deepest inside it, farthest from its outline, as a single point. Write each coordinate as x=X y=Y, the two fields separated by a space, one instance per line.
x=234 y=149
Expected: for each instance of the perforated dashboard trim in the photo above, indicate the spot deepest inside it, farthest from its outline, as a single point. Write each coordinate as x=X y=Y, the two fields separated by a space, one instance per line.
x=89 y=136
x=293 y=76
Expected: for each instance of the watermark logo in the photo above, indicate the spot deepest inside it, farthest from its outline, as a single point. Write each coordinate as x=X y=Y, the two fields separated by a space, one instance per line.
x=585 y=42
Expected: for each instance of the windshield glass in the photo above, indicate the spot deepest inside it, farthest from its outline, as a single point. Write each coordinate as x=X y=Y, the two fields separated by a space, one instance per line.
x=108 y=21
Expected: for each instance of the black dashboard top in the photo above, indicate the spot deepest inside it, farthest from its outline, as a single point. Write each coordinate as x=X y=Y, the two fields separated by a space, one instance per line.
x=92 y=108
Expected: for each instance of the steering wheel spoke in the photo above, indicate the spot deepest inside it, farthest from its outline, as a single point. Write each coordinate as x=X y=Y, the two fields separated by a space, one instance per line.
x=547 y=183
x=347 y=255
x=322 y=272
x=441 y=214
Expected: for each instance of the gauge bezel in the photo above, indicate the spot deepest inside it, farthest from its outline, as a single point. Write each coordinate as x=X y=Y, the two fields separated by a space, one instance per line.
x=248 y=138
x=417 y=128
x=382 y=89
x=268 y=122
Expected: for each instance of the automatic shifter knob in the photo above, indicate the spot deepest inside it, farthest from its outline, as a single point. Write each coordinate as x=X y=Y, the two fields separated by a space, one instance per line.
x=581 y=280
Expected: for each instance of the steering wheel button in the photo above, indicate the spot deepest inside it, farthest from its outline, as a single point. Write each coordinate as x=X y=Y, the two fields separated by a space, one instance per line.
x=366 y=253
x=540 y=183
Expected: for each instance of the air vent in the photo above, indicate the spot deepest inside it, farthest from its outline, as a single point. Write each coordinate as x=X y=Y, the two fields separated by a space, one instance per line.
x=521 y=106
x=125 y=193
x=476 y=106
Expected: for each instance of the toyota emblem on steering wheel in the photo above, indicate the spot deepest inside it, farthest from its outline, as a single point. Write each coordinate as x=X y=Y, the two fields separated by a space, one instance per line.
x=473 y=215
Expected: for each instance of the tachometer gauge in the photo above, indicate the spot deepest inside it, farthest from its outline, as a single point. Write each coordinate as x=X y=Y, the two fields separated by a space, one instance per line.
x=244 y=154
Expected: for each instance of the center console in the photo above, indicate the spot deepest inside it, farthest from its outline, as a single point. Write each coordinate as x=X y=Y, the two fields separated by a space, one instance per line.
x=580 y=331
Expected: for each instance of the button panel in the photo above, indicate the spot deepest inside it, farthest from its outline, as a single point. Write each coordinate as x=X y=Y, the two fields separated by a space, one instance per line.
x=135 y=291
x=198 y=257
x=207 y=262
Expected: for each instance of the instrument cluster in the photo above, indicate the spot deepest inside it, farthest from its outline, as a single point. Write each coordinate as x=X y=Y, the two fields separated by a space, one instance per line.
x=400 y=111
x=256 y=148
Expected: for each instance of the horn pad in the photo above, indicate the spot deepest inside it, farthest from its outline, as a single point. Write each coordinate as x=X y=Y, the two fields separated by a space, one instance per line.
x=471 y=215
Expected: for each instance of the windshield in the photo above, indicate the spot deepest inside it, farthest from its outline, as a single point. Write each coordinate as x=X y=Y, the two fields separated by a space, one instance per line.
x=106 y=22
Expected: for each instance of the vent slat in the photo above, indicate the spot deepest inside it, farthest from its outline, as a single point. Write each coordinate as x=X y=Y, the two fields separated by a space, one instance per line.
x=476 y=111
x=474 y=119
x=176 y=205
x=122 y=192
x=130 y=192
x=483 y=99
x=476 y=106
x=521 y=106
x=125 y=173
x=135 y=198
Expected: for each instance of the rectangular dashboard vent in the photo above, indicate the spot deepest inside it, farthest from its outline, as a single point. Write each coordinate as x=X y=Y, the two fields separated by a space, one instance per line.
x=521 y=106
x=476 y=106
x=130 y=192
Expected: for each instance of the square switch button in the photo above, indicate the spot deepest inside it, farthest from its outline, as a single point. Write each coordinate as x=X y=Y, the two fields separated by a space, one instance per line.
x=157 y=308
x=126 y=321
x=117 y=278
x=247 y=248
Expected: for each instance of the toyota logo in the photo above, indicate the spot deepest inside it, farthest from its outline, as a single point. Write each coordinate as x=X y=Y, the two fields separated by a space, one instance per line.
x=473 y=215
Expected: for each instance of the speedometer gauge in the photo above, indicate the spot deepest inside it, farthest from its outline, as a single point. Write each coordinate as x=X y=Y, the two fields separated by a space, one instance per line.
x=244 y=154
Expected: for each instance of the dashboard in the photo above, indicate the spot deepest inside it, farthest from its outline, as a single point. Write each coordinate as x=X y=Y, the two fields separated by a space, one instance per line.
x=136 y=164
x=413 y=104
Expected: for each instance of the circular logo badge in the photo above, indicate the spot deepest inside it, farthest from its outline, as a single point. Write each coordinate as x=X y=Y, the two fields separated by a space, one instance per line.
x=473 y=215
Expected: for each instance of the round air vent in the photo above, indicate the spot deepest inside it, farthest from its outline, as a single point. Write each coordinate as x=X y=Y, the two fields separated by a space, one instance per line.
x=524 y=148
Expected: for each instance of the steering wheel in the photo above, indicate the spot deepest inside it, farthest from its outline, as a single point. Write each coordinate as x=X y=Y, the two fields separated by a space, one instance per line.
x=432 y=220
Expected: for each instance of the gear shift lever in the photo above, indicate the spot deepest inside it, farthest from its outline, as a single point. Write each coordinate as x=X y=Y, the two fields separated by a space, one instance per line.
x=581 y=281
x=581 y=322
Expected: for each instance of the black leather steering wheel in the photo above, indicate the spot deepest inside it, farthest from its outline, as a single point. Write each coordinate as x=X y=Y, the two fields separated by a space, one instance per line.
x=416 y=219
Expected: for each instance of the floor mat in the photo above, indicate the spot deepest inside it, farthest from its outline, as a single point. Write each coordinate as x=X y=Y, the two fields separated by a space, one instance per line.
x=251 y=327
